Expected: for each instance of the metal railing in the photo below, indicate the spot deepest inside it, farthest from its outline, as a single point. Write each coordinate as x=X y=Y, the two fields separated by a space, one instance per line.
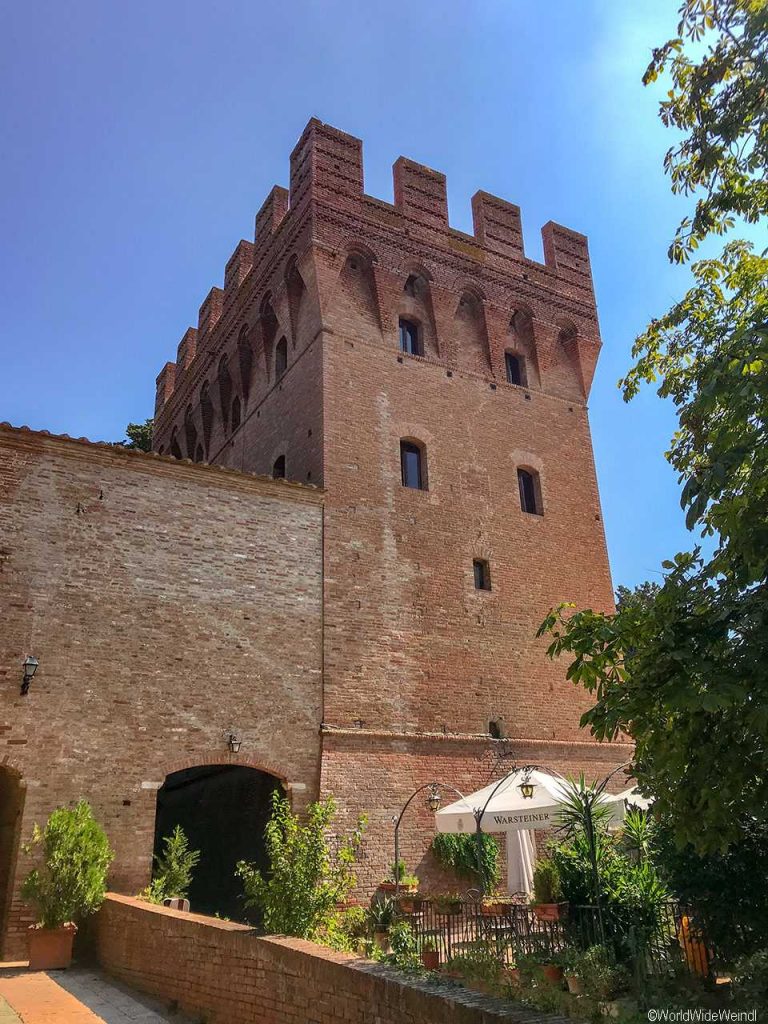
x=671 y=938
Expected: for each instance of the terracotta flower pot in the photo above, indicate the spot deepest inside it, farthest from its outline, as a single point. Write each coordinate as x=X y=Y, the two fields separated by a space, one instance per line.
x=430 y=959
x=550 y=911
x=410 y=904
x=514 y=976
x=552 y=973
x=451 y=908
x=575 y=985
x=381 y=938
x=495 y=909
x=387 y=887
x=50 y=948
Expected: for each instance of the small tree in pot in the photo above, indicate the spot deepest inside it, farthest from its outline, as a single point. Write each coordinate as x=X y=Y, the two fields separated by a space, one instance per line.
x=68 y=885
x=546 y=891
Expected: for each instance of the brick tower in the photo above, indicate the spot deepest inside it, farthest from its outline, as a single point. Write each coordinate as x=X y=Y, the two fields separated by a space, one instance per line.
x=434 y=385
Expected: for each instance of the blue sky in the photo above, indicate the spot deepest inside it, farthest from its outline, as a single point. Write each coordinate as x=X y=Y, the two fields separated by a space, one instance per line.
x=140 y=139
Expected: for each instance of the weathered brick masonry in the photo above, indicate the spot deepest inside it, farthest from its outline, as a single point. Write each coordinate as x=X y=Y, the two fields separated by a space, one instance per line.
x=165 y=601
x=417 y=662
x=222 y=973
x=340 y=627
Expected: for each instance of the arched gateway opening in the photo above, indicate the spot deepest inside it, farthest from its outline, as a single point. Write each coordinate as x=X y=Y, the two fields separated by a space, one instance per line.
x=223 y=810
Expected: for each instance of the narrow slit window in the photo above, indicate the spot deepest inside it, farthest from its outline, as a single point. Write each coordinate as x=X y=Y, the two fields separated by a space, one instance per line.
x=278 y=469
x=515 y=369
x=236 y=414
x=281 y=358
x=530 y=499
x=411 y=466
x=410 y=340
x=482 y=574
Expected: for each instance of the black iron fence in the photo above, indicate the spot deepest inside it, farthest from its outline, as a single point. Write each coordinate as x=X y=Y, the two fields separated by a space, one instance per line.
x=668 y=938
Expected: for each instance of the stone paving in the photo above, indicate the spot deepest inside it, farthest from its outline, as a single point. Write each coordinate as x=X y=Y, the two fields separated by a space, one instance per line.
x=76 y=996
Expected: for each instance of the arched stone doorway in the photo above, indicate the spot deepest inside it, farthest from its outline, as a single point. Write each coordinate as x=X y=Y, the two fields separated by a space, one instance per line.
x=223 y=809
x=12 y=793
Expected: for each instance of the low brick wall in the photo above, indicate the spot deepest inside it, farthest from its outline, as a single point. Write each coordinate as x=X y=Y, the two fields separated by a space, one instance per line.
x=224 y=974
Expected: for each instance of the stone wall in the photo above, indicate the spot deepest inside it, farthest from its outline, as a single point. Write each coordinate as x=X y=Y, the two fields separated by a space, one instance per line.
x=226 y=975
x=166 y=603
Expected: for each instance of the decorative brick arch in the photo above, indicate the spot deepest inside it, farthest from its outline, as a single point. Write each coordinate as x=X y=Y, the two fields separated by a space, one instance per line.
x=224 y=759
x=356 y=247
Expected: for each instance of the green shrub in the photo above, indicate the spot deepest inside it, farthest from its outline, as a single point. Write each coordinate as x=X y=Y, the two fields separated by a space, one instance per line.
x=382 y=914
x=405 y=953
x=343 y=931
x=71 y=881
x=729 y=889
x=750 y=980
x=478 y=962
x=458 y=853
x=546 y=882
x=603 y=978
x=174 y=868
x=308 y=876
x=399 y=873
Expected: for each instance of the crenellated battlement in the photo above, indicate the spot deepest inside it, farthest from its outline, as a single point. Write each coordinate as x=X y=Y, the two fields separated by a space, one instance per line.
x=326 y=204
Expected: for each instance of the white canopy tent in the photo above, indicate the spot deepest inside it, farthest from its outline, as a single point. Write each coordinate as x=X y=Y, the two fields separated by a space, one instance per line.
x=505 y=809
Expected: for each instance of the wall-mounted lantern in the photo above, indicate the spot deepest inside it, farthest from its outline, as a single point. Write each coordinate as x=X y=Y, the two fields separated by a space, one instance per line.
x=30 y=667
x=233 y=741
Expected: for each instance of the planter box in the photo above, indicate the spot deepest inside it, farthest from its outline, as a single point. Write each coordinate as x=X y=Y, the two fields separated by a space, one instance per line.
x=495 y=909
x=550 y=911
x=575 y=985
x=410 y=904
x=50 y=948
x=451 y=908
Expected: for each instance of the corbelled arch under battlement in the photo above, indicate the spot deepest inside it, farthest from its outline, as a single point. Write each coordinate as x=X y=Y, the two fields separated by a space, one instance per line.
x=324 y=208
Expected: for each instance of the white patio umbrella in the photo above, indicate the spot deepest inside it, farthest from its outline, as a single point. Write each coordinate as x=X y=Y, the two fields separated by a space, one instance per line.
x=502 y=807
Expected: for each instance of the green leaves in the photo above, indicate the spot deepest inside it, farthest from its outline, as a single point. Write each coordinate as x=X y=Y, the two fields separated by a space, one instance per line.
x=718 y=103
x=309 y=874
x=70 y=883
x=459 y=853
x=174 y=869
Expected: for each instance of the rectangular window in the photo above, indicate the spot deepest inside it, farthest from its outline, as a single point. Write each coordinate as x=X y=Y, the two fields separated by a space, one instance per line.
x=482 y=574
x=409 y=338
x=528 y=497
x=410 y=466
x=515 y=373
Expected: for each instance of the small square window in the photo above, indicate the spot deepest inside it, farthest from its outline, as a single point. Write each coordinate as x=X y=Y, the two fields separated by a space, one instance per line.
x=482 y=574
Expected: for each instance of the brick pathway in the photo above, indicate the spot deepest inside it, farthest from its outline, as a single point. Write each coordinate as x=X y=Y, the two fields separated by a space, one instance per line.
x=76 y=996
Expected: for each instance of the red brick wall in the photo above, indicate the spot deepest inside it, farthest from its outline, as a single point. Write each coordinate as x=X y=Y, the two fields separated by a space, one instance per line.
x=166 y=603
x=410 y=647
x=376 y=773
x=228 y=976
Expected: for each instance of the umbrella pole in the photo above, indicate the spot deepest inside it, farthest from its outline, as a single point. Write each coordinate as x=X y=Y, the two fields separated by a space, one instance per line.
x=480 y=865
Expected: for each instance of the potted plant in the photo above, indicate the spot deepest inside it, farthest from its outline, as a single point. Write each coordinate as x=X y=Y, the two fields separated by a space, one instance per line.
x=572 y=971
x=69 y=883
x=552 y=968
x=604 y=979
x=382 y=915
x=546 y=892
x=496 y=905
x=399 y=877
x=450 y=904
x=430 y=957
x=410 y=904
